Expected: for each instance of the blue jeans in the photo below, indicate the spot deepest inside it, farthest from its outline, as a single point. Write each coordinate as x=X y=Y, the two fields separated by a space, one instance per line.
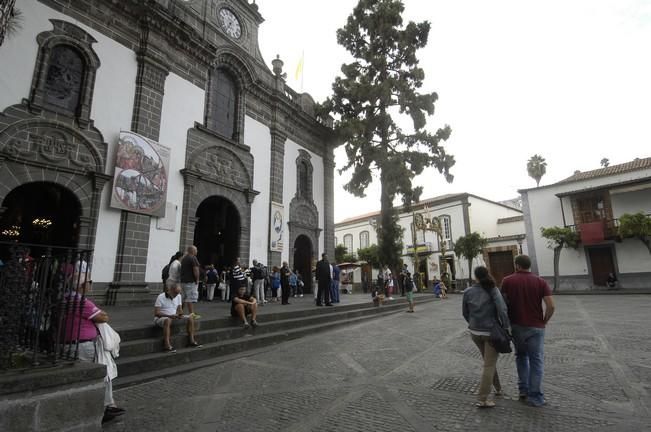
x=334 y=291
x=529 y=357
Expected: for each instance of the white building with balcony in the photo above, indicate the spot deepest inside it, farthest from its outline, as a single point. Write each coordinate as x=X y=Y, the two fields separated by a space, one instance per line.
x=459 y=214
x=591 y=203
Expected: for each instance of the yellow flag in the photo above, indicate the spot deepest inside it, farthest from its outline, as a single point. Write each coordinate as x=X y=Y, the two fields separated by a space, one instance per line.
x=299 y=67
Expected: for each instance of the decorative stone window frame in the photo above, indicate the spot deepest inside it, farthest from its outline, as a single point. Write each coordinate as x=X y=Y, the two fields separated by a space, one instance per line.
x=65 y=33
x=304 y=159
x=243 y=78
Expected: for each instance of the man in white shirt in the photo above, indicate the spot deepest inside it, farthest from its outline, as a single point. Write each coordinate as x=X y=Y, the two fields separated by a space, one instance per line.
x=167 y=309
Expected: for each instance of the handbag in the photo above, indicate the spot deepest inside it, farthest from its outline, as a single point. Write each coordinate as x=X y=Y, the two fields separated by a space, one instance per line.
x=499 y=338
x=221 y=286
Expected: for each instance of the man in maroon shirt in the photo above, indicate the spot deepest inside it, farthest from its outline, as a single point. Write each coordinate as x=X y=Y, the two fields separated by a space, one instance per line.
x=525 y=293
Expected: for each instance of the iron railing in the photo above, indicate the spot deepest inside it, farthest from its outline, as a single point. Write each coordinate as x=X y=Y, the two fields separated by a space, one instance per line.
x=42 y=297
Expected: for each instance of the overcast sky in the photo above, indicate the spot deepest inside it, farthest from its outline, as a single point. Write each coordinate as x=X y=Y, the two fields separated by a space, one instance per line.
x=568 y=79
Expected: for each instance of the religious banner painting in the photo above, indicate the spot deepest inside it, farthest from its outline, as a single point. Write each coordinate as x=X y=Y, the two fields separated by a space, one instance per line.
x=141 y=175
x=277 y=227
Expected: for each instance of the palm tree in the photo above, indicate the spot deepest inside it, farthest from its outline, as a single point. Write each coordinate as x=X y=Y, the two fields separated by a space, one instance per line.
x=10 y=20
x=605 y=162
x=536 y=167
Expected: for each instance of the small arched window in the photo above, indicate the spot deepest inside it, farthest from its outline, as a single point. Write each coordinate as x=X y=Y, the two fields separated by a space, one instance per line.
x=225 y=94
x=348 y=243
x=64 y=73
x=304 y=173
x=363 y=239
x=65 y=78
x=303 y=180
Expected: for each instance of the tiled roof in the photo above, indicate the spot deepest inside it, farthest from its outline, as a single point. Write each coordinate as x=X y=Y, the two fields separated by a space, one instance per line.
x=427 y=201
x=634 y=165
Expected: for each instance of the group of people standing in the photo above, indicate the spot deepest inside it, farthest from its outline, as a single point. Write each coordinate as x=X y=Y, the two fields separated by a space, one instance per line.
x=185 y=274
x=517 y=307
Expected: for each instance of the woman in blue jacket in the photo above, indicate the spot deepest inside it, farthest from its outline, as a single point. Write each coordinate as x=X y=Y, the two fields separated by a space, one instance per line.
x=482 y=305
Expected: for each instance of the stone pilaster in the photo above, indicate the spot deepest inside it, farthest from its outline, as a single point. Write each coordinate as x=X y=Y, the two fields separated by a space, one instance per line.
x=329 y=204
x=276 y=182
x=133 y=236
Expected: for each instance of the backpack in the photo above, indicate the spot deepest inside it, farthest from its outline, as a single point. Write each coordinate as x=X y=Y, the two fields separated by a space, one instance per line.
x=256 y=272
x=165 y=274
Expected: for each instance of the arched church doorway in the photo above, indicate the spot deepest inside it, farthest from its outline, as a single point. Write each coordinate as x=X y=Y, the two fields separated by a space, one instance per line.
x=217 y=232
x=303 y=260
x=40 y=213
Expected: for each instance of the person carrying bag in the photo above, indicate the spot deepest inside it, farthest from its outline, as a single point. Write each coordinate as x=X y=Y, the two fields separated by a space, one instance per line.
x=488 y=322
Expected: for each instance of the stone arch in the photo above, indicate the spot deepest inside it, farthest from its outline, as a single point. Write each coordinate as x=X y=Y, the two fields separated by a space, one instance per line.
x=27 y=201
x=197 y=191
x=86 y=189
x=41 y=141
x=228 y=59
x=37 y=149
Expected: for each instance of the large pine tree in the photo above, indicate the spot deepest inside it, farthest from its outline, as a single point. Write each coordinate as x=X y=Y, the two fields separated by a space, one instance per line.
x=377 y=94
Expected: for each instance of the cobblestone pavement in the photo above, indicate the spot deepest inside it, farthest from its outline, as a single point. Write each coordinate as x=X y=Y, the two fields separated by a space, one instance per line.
x=415 y=372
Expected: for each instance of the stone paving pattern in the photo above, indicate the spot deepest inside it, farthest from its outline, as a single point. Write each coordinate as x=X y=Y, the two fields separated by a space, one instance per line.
x=415 y=372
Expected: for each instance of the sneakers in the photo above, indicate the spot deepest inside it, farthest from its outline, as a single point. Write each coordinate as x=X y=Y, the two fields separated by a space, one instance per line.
x=301 y=295
x=390 y=298
x=115 y=410
x=536 y=404
x=246 y=325
x=254 y=323
x=111 y=413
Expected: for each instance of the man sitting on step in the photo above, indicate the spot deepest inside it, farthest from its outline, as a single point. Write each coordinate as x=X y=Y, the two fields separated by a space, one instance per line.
x=243 y=305
x=167 y=309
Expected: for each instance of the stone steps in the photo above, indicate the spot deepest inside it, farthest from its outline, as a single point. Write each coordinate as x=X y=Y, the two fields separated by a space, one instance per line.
x=142 y=359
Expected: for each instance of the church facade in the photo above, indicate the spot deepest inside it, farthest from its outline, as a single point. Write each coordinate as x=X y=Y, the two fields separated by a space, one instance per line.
x=137 y=128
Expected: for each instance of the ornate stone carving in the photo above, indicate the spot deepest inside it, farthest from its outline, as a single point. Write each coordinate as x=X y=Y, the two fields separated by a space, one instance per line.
x=222 y=166
x=304 y=213
x=49 y=146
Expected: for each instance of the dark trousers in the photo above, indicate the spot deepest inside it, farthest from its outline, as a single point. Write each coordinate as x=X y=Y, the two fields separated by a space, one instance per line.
x=323 y=293
x=285 y=293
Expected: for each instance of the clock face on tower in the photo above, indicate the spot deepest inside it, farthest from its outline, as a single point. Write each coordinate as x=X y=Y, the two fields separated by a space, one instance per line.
x=230 y=23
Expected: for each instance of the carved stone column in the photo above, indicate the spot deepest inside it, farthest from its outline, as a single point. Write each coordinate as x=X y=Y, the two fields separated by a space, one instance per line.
x=329 y=204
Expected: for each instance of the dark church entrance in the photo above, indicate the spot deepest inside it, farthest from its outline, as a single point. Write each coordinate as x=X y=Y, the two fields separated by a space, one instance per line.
x=303 y=260
x=40 y=213
x=217 y=232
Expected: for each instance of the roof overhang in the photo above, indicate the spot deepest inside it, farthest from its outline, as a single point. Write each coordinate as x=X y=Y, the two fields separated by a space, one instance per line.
x=620 y=187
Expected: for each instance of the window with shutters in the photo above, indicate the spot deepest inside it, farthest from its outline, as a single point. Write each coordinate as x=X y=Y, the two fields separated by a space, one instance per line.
x=225 y=96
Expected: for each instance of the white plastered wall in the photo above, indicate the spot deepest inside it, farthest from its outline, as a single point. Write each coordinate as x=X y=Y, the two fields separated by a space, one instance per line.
x=484 y=216
x=183 y=105
x=258 y=137
x=545 y=210
x=111 y=110
x=632 y=255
